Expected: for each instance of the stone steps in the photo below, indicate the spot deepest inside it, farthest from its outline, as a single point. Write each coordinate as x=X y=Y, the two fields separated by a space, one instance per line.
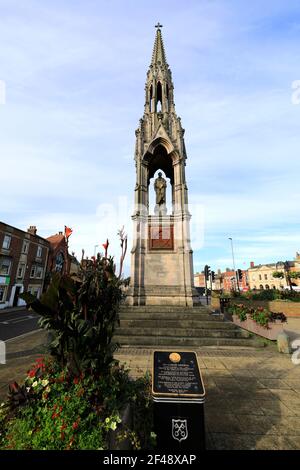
x=163 y=326
x=163 y=315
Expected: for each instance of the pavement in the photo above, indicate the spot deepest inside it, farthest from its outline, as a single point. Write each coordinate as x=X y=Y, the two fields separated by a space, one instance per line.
x=21 y=352
x=252 y=395
x=17 y=321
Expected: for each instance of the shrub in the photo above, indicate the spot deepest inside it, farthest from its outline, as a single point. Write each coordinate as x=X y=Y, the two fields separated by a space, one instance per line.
x=240 y=310
x=260 y=315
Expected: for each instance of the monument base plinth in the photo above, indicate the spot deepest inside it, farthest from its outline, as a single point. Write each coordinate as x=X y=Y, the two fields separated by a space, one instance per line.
x=162 y=265
x=162 y=295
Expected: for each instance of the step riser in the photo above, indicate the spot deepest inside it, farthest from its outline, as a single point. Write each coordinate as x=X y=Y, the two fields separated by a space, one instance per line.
x=181 y=342
x=184 y=333
x=176 y=324
x=161 y=308
x=168 y=316
x=188 y=334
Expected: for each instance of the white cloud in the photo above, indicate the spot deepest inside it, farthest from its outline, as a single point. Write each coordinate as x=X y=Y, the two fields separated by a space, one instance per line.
x=75 y=90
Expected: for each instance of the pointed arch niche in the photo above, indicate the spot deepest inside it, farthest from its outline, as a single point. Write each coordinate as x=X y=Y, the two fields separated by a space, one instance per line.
x=160 y=161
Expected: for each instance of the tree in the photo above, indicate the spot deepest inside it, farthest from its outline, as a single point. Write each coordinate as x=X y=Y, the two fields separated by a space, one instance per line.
x=287 y=274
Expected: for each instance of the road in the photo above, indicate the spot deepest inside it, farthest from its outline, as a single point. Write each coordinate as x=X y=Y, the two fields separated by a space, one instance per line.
x=16 y=323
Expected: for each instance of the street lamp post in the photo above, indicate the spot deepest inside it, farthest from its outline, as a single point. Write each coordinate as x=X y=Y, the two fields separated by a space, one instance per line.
x=235 y=276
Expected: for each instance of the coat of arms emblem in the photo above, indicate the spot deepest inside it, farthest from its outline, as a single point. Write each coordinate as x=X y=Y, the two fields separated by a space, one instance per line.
x=179 y=429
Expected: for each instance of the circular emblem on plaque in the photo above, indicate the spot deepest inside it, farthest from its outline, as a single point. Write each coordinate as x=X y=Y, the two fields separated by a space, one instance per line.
x=174 y=357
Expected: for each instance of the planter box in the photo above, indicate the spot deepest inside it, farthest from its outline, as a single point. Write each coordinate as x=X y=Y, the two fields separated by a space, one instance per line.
x=271 y=332
x=290 y=309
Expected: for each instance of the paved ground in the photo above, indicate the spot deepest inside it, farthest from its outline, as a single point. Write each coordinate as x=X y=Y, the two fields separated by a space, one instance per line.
x=252 y=396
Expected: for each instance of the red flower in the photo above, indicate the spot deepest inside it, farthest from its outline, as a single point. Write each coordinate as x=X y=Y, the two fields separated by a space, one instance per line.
x=62 y=436
x=54 y=415
x=14 y=387
x=75 y=425
x=76 y=380
x=31 y=373
x=105 y=246
x=60 y=409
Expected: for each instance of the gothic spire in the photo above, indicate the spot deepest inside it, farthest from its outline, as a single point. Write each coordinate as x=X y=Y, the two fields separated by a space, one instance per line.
x=158 y=55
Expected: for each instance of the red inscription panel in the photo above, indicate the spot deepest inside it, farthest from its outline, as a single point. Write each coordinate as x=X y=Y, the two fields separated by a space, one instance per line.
x=161 y=237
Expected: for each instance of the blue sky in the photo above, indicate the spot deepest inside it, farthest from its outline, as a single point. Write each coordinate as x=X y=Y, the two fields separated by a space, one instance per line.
x=75 y=73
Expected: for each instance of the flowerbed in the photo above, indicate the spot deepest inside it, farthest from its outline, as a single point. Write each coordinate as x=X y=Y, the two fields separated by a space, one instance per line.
x=52 y=410
x=259 y=320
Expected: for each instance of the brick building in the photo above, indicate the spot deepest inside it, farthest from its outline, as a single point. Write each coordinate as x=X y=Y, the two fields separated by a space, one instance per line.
x=227 y=281
x=23 y=261
x=58 y=260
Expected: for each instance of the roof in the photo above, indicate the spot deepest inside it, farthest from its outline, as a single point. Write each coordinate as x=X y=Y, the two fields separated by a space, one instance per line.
x=279 y=264
x=158 y=55
x=11 y=229
x=56 y=239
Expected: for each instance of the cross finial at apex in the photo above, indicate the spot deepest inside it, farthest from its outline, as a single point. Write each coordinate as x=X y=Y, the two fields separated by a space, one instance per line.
x=158 y=25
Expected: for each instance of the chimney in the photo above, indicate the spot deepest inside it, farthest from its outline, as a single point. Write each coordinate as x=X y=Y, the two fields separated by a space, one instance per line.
x=251 y=264
x=32 y=230
x=60 y=233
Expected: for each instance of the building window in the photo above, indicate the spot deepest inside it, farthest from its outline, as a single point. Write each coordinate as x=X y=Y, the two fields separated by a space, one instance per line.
x=59 y=262
x=267 y=286
x=5 y=265
x=259 y=277
x=32 y=271
x=34 y=291
x=39 y=272
x=261 y=287
x=39 y=251
x=3 y=290
x=6 y=242
x=21 y=270
x=266 y=277
x=25 y=247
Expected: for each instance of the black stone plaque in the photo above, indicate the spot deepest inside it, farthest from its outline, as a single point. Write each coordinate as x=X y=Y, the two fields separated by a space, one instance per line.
x=176 y=374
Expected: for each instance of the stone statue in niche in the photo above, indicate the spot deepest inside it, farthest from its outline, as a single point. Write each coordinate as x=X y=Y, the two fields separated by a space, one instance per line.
x=160 y=186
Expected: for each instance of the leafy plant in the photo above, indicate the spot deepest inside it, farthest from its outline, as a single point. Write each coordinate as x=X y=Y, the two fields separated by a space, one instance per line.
x=278 y=274
x=261 y=316
x=240 y=310
x=82 y=315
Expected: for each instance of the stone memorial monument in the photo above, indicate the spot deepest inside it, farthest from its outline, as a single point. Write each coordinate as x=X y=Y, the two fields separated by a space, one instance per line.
x=161 y=256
